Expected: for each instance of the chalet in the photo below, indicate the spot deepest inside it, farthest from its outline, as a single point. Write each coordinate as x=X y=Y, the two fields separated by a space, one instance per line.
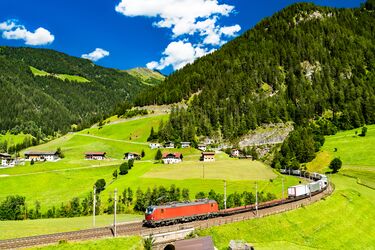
x=172 y=158
x=169 y=144
x=132 y=155
x=185 y=144
x=6 y=160
x=41 y=156
x=235 y=153
x=95 y=155
x=208 y=156
x=202 y=147
x=154 y=145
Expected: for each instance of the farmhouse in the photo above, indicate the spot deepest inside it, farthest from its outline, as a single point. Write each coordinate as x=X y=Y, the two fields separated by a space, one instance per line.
x=172 y=158
x=95 y=155
x=169 y=144
x=208 y=156
x=202 y=147
x=155 y=145
x=235 y=153
x=185 y=144
x=132 y=155
x=41 y=156
x=6 y=160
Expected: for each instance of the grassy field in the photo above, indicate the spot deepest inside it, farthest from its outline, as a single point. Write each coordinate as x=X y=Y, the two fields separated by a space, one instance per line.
x=129 y=243
x=11 y=229
x=14 y=139
x=346 y=220
x=52 y=183
x=80 y=79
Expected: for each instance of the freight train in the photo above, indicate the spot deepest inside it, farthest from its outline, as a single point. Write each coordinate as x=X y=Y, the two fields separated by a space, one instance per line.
x=182 y=212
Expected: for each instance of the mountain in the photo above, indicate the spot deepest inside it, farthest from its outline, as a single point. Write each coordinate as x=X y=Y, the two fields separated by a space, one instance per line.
x=147 y=76
x=306 y=63
x=44 y=91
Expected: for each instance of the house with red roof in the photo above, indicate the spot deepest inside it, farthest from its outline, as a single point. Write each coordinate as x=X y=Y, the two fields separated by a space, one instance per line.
x=172 y=158
x=95 y=155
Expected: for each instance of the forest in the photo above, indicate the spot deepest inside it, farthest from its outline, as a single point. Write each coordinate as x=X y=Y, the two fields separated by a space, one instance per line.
x=44 y=105
x=307 y=64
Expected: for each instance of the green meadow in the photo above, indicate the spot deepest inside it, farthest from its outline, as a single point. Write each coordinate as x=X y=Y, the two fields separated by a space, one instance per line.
x=53 y=183
x=72 y=78
x=14 y=139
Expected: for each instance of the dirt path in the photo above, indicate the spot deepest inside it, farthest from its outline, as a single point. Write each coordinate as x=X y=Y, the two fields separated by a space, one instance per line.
x=109 y=139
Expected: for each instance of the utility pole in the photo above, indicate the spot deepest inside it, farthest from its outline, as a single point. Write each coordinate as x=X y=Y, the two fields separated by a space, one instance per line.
x=115 y=210
x=203 y=171
x=256 y=198
x=225 y=194
x=282 y=184
x=93 y=207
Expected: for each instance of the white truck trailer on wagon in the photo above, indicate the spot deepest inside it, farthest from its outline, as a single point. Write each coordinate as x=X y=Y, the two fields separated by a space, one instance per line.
x=298 y=190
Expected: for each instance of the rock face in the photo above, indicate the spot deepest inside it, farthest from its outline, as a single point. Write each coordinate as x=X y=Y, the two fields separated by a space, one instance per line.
x=267 y=135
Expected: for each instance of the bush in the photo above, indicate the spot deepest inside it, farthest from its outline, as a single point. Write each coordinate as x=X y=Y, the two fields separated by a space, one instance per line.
x=363 y=132
x=124 y=168
x=335 y=165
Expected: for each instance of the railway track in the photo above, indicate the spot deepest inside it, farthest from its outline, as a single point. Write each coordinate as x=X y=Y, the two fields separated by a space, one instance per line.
x=137 y=228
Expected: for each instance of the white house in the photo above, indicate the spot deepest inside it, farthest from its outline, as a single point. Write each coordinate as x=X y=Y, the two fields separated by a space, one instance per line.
x=169 y=144
x=185 y=144
x=41 y=156
x=6 y=160
x=208 y=156
x=154 y=145
x=132 y=155
x=235 y=152
x=202 y=147
x=172 y=158
x=95 y=155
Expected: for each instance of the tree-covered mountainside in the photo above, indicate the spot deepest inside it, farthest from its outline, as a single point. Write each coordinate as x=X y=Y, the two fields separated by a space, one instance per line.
x=44 y=91
x=147 y=76
x=304 y=63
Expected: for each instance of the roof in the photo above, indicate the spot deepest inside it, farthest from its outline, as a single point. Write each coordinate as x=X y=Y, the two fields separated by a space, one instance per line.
x=5 y=155
x=40 y=152
x=95 y=153
x=201 y=145
x=185 y=142
x=202 y=243
x=208 y=153
x=177 y=155
x=134 y=153
x=184 y=204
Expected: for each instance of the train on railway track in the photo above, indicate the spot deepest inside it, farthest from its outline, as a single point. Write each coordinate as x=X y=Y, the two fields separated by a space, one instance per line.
x=182 y=212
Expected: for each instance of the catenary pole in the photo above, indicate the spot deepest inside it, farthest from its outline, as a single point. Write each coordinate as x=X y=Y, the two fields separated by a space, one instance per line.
x=256 y=198
x=225 y=194
x=93 y=207
x=115 y=211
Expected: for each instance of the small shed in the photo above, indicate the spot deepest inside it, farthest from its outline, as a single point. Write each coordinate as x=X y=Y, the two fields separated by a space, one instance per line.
x=185 y=144
x=239 y=245
x=202 y=243
x=208 y=156
x=132 y=155
x=169 y=144
x=202 y=147
x=95 y=155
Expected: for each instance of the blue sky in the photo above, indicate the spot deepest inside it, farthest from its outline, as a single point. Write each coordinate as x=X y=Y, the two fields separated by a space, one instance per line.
x=162 y=34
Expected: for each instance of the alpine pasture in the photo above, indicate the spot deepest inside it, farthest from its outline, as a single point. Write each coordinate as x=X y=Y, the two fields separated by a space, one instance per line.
x=53 y=183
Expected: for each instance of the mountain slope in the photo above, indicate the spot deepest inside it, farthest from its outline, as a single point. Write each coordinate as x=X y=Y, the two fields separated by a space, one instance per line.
x=44 y=91
x=147 y=76
x=302 y=63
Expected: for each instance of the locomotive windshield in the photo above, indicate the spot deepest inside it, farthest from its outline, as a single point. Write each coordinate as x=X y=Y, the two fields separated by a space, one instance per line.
x=150 y=210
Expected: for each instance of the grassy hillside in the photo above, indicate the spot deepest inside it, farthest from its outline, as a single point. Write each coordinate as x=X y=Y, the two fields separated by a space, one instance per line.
x=53 y=183
x=147 y=76
x=40 y=94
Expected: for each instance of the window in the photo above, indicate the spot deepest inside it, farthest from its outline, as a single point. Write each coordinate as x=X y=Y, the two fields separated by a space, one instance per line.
x=162 y=210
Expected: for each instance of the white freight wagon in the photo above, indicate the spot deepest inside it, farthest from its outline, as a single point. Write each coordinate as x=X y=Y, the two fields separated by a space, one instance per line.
x=298 y=190
x=315 y=186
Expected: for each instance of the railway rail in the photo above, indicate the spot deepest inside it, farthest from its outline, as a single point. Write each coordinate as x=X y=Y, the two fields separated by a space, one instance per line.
x=137 y=228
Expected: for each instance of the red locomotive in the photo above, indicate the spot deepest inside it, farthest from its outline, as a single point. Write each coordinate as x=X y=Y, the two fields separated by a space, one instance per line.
x=180 y=212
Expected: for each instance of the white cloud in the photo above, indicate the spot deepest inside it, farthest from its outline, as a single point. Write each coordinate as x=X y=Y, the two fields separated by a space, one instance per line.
x=230 y=30
x=13 y=31
x=7 y=25
x=178 y=54
x=196 y=19
x=96 y=55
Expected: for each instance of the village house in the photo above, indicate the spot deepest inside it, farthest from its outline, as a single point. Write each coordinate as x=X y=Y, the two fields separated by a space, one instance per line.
x=169 y=144
x=208 y=156
x=154 y=145
x=235 y=153
x=95 y=155
x=202 y=147
x=172 y=158
x=41 y=156
x=185 y=144
x=6 y=160
x=132 y=155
